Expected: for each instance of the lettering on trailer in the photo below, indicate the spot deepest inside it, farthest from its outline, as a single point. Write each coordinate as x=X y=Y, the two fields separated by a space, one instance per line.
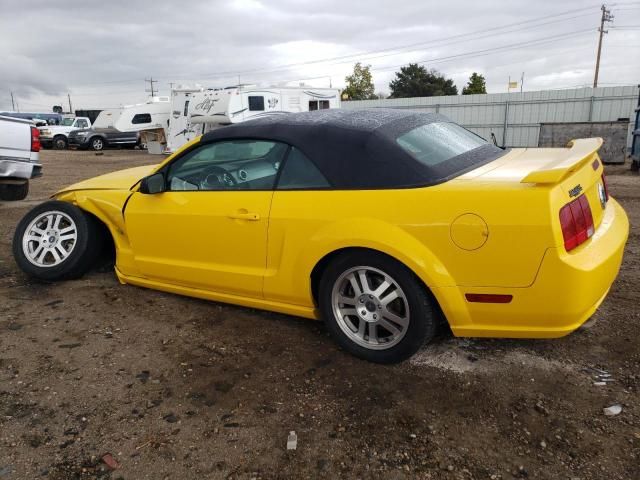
x=207 y=104
x=272 y=102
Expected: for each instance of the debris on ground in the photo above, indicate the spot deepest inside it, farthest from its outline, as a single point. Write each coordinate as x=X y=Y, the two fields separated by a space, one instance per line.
x=109 y=461
x=292 y=441
x=613 y=410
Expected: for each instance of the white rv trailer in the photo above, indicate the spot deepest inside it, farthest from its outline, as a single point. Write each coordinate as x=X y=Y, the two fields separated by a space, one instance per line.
x=154 y=113
x=195 y=111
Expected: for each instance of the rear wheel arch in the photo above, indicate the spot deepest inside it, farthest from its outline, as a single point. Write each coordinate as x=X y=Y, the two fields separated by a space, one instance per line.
x=321 y=266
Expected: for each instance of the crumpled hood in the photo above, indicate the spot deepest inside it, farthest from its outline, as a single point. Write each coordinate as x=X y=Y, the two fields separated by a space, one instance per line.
x=120 y=180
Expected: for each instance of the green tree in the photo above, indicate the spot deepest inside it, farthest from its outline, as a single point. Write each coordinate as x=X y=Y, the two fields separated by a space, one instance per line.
x=416 y=81
x=359 y=83
x=476 y=84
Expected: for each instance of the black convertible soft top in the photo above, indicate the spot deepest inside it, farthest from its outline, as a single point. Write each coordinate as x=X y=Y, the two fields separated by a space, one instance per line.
x=357 y=149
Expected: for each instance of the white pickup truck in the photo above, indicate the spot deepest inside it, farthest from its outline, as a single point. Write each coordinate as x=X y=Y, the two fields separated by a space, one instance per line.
x=57 y=136
x=19 y=157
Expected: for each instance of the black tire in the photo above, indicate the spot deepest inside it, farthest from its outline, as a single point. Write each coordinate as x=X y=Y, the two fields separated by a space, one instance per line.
x=97 y=143
x=12 y=192
x=85 y=252
x=60 y=142
x=423 y=319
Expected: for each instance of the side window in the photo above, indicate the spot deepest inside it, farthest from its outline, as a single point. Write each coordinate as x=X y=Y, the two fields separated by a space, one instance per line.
x=81 y=124
x=228 y=165
x=300 y=173
x=141 y=118
x=256 y=104
x=318 y=105
x=186 y=108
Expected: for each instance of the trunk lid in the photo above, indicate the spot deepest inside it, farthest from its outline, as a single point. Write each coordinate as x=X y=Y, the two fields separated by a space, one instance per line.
x=567 y=173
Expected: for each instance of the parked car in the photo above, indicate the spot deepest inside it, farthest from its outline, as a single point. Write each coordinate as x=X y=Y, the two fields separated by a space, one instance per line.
x=57 y=135
x=101 y=138
x=383 y=223
x=19 y=157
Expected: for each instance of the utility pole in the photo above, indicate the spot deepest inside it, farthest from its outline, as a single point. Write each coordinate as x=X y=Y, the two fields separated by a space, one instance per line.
x=521 y=82
x=13 y=103
x=151 y=82
x=606 y=17
x=70 y=107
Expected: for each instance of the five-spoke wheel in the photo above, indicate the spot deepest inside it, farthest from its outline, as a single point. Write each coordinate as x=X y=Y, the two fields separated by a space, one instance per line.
x=375 y=307
x=57 y=240
x=49 y=239
x=370 y=307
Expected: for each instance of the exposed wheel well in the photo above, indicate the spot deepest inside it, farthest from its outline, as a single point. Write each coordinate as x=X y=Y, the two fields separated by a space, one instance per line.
x=108 y=255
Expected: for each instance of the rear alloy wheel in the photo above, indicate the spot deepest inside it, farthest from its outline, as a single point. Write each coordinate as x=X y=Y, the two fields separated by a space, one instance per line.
x=56 y=240
x=97 y=144
x=60 y=143
x=375 y=307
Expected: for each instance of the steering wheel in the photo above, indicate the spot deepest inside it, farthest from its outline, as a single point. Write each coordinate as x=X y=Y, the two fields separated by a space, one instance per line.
x=216 y=177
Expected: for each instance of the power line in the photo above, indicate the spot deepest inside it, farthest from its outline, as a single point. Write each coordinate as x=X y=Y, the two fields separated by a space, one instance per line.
x=477 y=53
x=351 y=57
x=443 y=59
x=348 y=58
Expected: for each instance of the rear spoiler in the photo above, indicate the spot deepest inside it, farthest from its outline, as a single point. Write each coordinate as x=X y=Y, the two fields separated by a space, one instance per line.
x=580 y=152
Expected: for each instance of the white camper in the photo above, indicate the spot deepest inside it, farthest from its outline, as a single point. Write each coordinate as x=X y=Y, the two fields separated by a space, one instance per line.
x=195 y=111
x=154 y=113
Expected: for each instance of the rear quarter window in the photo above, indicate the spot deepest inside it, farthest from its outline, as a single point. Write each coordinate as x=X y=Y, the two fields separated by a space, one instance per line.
x=435 y=143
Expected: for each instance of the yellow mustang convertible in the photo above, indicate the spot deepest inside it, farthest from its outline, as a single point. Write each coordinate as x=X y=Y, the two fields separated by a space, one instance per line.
x=382 y=223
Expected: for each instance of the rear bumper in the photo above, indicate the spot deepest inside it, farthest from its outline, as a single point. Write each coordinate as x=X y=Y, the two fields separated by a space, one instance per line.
x=16 y=169
x=567 y=290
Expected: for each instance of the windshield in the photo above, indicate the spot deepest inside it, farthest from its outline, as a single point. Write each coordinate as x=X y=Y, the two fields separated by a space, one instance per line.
x=67 y=122
x=435 y=143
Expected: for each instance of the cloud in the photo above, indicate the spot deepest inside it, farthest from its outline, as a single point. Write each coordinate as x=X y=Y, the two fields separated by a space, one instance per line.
x=101 y=52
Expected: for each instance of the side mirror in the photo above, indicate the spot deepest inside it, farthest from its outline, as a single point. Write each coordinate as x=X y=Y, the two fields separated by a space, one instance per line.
x=153 y=184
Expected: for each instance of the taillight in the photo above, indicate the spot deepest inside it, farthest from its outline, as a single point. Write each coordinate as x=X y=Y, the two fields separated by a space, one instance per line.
x=606 y=188
x=576 y=221
x=35 y=139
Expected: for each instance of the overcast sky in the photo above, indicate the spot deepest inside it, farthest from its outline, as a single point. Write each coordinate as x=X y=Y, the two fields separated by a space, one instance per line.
x=101 y=51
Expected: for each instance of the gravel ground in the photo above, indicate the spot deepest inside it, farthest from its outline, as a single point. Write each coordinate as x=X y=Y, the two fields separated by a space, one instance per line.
x=101 y=380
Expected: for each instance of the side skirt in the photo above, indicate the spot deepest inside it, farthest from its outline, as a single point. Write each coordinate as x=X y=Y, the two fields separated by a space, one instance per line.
x=286 y=308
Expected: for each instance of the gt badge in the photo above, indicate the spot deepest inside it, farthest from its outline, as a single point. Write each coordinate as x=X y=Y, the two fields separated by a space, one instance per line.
x=575 y=191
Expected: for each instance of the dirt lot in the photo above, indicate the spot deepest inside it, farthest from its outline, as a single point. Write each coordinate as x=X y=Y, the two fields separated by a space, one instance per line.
x=178 y=388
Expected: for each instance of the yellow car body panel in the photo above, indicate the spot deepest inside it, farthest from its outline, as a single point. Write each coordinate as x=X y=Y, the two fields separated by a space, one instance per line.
x=492 y=230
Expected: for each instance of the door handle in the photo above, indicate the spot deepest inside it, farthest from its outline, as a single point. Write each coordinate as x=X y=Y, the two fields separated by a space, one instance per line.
x=250 y=216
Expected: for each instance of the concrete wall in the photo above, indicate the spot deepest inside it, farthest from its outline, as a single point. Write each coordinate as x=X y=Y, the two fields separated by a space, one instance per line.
x=515 y=118
x=614 y=135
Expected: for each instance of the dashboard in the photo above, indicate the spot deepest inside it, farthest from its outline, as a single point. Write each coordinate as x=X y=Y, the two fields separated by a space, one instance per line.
x=239 y=175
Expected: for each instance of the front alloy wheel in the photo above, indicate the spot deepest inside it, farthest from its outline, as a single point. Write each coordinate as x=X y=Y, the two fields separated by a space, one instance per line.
x=56 y=241
x=97 y=144
x=49 y=239
x=375 y=307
